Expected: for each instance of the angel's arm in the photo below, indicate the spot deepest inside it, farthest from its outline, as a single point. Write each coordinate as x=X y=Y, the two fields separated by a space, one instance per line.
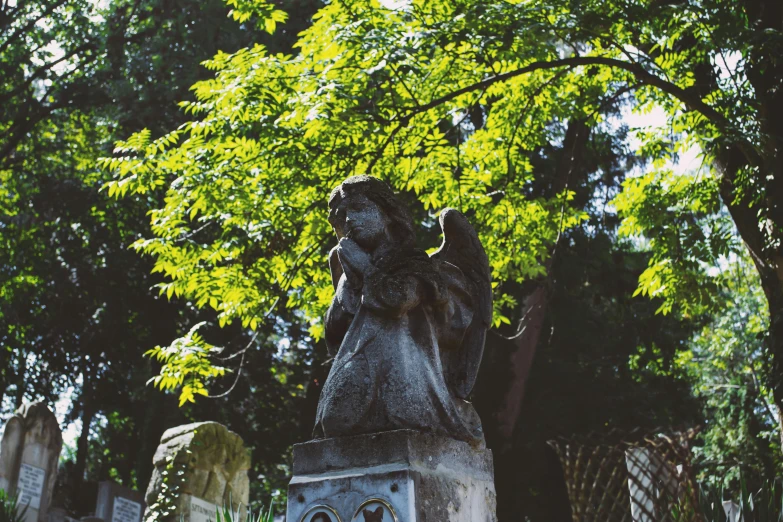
x=335 y=267
x=407 y=280
x=344 y=304
x=392 y=294
x=338 y=320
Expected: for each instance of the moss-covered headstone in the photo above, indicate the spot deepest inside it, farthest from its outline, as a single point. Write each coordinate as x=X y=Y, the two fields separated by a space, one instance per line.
x=197 y=467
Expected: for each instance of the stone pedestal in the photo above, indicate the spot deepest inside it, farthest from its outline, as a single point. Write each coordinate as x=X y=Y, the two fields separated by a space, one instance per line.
x=29 y=453
x=395 y=476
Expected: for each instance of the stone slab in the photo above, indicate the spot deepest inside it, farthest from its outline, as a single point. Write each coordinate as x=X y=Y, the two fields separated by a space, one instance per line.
x=200 y=510
x=116 y=503
x=57 y=514
x=414 y=448
x=30 y=486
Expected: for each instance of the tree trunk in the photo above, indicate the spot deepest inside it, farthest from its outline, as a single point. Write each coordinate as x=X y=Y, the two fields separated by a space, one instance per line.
x=775 y=343
x=504 y=375
x=158 y=411
x=6 y=362
x=21 y=382
x=759 y=217
x=520 y=353
x=746 y=216
x=512 y=358
x=82 y=445
x=765 y=74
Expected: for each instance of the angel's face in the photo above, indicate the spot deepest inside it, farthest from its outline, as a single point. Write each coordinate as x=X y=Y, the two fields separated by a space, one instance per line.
x=362 y=220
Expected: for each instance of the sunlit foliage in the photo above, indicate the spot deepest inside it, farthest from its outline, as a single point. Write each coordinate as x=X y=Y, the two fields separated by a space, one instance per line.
x=446 y=100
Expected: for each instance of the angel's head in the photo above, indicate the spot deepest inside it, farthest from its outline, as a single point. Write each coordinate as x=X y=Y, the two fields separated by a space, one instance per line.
x=365 y=209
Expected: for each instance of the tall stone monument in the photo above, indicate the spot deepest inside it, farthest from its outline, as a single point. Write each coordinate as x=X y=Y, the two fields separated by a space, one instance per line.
x=396 y=438
x=29 y=452
x=198 y=467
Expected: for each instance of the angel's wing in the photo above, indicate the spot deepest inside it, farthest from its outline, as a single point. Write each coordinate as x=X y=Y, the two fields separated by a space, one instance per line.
x=461 y=247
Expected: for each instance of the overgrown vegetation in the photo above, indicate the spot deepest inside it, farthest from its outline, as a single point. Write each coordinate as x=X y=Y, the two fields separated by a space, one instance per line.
x=749 y=504
x=10 y=510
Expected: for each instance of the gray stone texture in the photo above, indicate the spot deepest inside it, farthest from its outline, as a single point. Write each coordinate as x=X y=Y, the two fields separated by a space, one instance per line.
x=108 y=492
x=56 y=514
x=215 y=462
x=406 y=329
x=424 y=477
x=32 y=436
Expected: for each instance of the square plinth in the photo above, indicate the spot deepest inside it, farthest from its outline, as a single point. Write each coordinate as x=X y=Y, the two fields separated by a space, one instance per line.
x=407 y=476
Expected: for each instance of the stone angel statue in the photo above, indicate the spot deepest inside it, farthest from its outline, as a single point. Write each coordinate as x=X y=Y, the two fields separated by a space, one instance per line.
x=406 y=329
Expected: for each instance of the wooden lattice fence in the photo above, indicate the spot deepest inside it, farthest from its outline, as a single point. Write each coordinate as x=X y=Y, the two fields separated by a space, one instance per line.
x=634 y=478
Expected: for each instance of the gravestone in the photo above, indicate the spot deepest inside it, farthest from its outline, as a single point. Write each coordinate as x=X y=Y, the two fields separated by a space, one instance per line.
x=649 y=477
x=202 y=465
x=397 y=438
x=57 y=514
x=204 y=511
x=29 y=453
x=733 y=511
x=117 y=503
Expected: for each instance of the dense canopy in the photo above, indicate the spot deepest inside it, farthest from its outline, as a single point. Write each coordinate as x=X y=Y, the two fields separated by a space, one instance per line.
x=449 y=100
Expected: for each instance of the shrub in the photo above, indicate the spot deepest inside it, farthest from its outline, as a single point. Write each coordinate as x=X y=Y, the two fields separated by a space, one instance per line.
x=9 y=511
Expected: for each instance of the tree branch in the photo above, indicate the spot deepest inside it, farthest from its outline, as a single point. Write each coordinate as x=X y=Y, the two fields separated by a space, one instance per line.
x=645 y=77
x=47 y=67
x=31 y=24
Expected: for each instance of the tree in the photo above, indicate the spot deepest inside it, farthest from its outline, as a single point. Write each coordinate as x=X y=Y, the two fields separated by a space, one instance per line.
x=270 y=242
x=590 y=371
x=443 y=99
x=29 y=123
x=725 y=362
x=76 y=306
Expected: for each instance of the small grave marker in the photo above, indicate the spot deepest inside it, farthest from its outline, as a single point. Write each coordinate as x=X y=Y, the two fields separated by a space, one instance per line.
x=126 y=510
x=202 y=511
x=117 y=503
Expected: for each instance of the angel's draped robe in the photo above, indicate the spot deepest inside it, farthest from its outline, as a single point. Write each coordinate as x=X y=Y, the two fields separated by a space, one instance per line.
x=396 y=354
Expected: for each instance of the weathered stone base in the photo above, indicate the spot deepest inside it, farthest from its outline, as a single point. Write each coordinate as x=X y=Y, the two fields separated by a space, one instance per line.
x=421 y=477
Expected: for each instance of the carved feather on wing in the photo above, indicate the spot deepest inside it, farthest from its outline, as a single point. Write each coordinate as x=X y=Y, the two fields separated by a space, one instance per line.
x=461 y=247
